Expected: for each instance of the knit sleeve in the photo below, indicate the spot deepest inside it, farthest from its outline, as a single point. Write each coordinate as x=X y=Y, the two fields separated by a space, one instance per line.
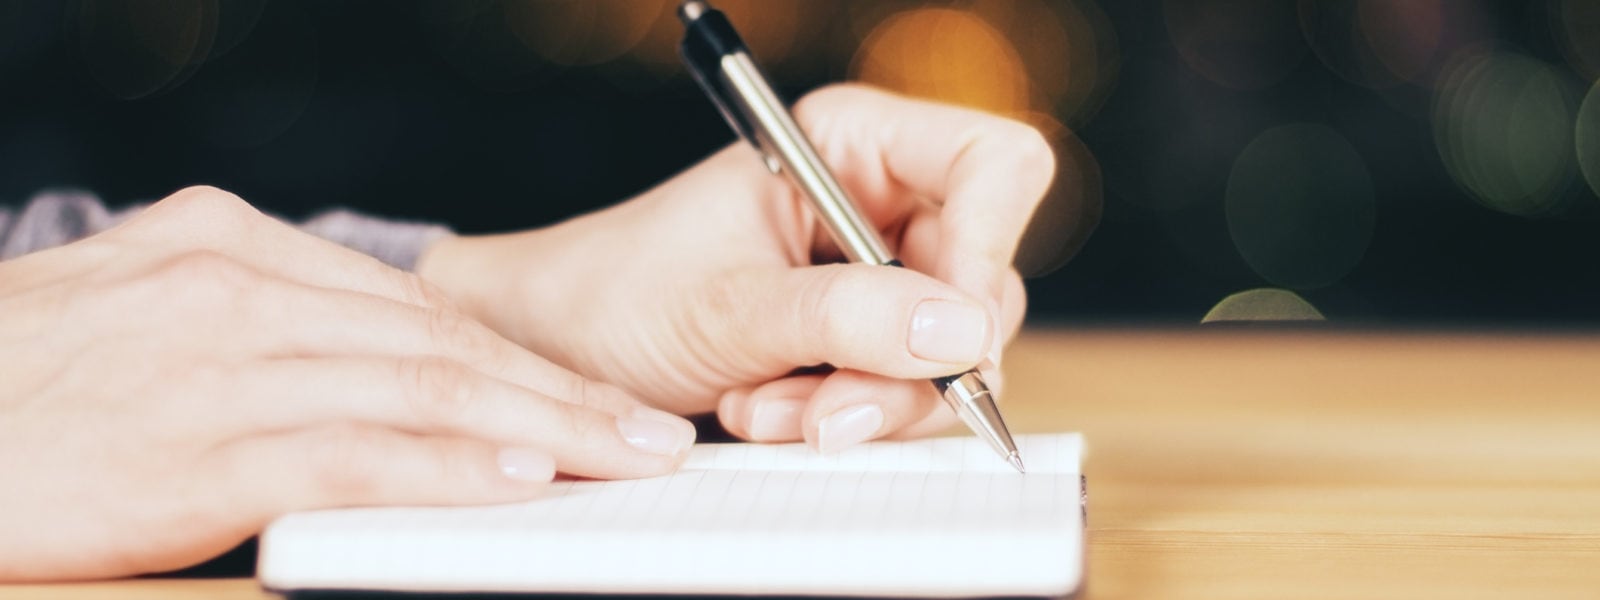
x=55 y=218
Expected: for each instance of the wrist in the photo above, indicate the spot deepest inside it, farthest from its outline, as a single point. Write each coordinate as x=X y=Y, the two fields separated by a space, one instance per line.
x=505 y=281
x=462 y=268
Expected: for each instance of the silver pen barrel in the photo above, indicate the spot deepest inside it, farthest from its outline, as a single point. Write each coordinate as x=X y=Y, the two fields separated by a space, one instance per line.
x=791 y=154
x=736 y=85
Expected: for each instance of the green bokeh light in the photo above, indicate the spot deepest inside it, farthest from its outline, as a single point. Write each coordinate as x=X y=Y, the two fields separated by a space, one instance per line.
x=1587 y=139
x=1263 y=304
x=1503 y=127
x=1300 y=206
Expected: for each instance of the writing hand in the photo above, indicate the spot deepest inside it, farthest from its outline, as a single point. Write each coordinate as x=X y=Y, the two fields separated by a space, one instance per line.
x=702 y=294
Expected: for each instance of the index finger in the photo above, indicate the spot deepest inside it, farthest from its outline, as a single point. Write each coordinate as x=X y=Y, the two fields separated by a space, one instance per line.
x=988 y=172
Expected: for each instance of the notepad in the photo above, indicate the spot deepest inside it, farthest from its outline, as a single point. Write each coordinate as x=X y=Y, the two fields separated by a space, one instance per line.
x=928 y=518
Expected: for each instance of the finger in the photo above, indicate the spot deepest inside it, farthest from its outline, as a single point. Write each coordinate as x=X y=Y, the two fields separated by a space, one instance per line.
x=921 y=242
x=890 y=321
x=769 y=412
x=340 y=466
x=989 y=173
x=302 y=321
x=203 y=217
x=436 y=396
x=1013 y=307
x=851 y=407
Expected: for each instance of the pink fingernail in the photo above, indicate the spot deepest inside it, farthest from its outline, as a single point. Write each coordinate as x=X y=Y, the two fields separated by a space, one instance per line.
x=776 y=419
x=848 y=426
x=526 y=464
x=656 y=432
x=946 y=331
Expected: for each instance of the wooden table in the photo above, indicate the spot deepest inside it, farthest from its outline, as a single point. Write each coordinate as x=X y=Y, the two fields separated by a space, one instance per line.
x=1234 y=463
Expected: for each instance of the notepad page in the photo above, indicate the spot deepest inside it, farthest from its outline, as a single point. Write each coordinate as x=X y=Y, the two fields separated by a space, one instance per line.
x=885 y=518
x=1054 y=453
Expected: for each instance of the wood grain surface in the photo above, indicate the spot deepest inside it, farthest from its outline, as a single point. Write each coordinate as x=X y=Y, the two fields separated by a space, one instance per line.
x=1242 y=463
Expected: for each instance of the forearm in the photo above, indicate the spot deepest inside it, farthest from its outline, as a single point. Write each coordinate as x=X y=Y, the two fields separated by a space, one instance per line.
x=52 y=219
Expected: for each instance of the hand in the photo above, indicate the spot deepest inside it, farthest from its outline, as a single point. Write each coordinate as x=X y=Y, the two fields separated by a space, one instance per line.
x=171 y=385
x=700 y=294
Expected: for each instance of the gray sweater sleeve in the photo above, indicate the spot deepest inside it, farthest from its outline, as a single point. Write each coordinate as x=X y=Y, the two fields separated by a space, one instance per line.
x=54 y=218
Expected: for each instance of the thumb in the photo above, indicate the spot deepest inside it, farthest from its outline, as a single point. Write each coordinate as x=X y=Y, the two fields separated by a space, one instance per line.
x=885 y=320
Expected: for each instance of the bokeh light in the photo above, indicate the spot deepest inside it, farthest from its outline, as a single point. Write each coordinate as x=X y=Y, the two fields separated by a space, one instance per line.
x=137 y=48
x=236 y=19
x=1456 y=114
x=254 y=93
x=477 y=41
x=1263 y=304
x=582 y=32
x=772 y=29
x=1576 y=27
x=946 y=54
x=450 y=11
x=1587 y=134
x=1503 y=125
x=1300 y=205
x=1176 y=138
x=1068 y=48
x=1374 y=43
x=1240 y=44
x=1069 y=212
x=1041 y=71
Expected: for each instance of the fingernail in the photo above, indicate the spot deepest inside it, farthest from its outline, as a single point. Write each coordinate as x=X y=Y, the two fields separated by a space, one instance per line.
x=848 y=426
x=656 y=432
x=946 y=331
x=776 y=419
x=526 y=464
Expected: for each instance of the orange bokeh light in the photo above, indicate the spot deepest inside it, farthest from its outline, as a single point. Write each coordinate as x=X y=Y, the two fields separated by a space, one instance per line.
x=949 y=55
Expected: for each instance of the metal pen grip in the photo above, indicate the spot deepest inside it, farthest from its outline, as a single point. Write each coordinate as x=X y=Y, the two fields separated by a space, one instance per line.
x=787 y=150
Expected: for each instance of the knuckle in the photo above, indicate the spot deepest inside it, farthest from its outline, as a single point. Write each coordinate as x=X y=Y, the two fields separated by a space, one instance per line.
x=814 y=109
x=455 y=333
x=203 y=264
x=827 y=94
x=201 y=277
x=595 y=395
x=579 y=423
x=809 y=104
x=1031 y=150
x=441 y=390
x=448 y=329
x=208 y=203
x=200 y=214
x=457 y=466
x=339 y=462
x=823 y=301
x=416 y=290
x=580 y=393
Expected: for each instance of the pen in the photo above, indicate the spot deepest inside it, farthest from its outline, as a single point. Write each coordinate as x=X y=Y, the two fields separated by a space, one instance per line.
x=723 y=67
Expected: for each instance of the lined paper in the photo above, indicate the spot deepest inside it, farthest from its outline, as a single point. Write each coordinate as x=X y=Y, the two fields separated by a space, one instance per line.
x=1042 y=453
x=879 y=518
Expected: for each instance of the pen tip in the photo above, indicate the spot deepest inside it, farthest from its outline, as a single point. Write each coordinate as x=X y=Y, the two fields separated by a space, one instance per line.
x=1016 y=462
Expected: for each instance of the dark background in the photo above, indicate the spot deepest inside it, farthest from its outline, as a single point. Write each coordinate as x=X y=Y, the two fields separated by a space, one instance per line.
x=1424 y=170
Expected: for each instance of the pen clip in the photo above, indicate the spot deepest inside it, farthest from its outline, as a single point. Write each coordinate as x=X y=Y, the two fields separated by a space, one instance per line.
x=708 y=38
